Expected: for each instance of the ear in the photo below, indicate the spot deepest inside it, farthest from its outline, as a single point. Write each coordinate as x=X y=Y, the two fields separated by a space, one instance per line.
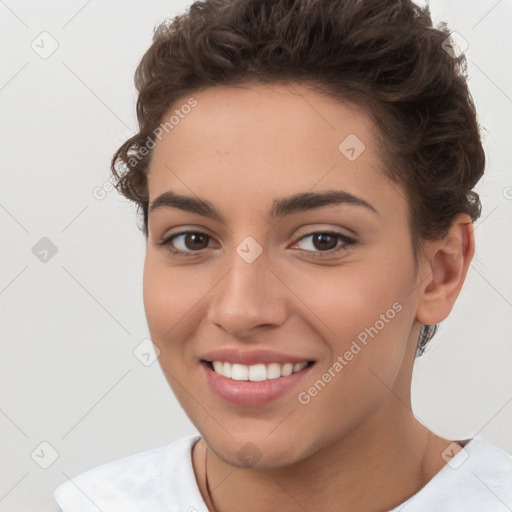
x=445 y=267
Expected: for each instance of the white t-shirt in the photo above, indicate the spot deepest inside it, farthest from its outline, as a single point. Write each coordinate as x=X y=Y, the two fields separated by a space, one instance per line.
x=477 y=479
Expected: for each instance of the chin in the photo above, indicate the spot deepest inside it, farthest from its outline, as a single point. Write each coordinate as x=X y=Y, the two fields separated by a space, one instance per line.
x=259 y=451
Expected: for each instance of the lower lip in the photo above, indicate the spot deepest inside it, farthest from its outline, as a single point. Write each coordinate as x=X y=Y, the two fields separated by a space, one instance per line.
x=252 y=394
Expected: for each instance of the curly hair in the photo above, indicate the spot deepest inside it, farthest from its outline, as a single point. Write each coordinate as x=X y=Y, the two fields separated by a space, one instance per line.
x=384 y=56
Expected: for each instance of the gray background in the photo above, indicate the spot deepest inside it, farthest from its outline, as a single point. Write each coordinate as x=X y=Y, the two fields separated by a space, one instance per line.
x=70 y=324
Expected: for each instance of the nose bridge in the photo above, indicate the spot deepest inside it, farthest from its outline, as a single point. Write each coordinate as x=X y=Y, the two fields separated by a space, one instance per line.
x=249 y=294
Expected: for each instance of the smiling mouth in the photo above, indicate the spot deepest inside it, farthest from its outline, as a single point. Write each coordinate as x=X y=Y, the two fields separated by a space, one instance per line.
x=256 y=372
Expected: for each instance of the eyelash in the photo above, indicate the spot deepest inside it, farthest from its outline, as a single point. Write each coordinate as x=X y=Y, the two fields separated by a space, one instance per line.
x=348 y=243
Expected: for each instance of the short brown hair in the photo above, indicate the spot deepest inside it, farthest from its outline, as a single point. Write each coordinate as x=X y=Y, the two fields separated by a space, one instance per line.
x=384 y=56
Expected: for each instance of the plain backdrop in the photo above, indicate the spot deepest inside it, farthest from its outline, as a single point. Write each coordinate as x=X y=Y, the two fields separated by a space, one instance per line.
x=73 y=393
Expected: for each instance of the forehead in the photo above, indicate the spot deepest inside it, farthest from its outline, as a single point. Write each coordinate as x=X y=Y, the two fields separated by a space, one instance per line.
x=254 y=114
x=267 y=140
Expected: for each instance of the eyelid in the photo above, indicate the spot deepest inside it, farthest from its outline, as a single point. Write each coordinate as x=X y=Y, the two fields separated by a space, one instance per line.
x=328 y=228
x=341 y=236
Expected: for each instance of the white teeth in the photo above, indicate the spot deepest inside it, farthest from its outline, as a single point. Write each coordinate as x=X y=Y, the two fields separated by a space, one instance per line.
x=226 y=370
x=239 y=372
x=256 y=372
x=298 y=367
x=273 y=371
x=286 y=369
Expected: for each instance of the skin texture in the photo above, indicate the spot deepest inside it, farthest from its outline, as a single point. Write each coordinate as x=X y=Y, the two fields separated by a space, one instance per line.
x=356 y=445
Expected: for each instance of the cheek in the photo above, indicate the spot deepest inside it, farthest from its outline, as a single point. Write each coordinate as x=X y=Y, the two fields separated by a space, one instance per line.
x=345 y=302
x=173 y=310
x=368 y=325
x=158 y=296
x=172 y=301
x=365 y=317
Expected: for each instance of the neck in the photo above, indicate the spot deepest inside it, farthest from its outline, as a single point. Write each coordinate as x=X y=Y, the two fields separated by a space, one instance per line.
x=374 y=468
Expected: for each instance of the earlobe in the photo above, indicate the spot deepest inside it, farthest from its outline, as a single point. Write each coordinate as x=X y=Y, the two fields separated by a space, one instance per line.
x=449 y=260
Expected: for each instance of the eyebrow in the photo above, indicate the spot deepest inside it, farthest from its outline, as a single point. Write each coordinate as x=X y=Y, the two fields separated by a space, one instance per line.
x=300 y=202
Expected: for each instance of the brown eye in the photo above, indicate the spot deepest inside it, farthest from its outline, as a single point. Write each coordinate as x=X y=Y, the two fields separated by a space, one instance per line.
x=324 y=244
x=324 y=241
x=186 y=243
x=195 y=241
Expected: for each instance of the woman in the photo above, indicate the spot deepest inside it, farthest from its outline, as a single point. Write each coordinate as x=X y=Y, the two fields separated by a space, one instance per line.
x=305 y=170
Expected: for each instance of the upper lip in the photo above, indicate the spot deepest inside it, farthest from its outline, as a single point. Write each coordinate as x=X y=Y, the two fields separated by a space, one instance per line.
x=250 y=357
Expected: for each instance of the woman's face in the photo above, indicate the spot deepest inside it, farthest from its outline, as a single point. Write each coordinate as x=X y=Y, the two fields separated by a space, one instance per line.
x=276 y=280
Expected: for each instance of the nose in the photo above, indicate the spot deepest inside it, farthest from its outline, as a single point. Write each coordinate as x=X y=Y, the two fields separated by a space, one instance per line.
x=250 y=298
